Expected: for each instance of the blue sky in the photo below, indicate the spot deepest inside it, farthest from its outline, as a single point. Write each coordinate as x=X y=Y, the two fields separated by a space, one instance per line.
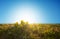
x=44 y=11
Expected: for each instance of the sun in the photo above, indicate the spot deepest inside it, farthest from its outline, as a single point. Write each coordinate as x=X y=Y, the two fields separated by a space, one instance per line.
x=26 y=13
x=27 y=18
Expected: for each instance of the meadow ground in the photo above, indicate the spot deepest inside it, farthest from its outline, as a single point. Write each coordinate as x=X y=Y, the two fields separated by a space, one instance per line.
x=29 y=31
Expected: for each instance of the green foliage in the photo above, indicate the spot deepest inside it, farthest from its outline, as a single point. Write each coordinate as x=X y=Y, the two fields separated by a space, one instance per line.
x=29 y=31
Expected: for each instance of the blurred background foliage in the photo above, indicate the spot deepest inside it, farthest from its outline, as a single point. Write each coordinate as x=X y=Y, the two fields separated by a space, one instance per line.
x=24 y=30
